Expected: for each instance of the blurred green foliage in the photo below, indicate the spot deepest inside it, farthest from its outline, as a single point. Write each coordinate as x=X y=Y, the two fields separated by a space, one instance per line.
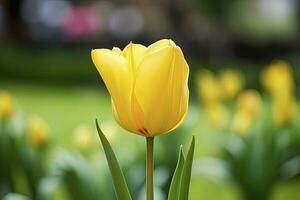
x=74 y=105
x=63 y=108
x=47 y=65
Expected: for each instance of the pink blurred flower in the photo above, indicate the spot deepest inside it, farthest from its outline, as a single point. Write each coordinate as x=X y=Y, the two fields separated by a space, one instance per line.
x=80 y=22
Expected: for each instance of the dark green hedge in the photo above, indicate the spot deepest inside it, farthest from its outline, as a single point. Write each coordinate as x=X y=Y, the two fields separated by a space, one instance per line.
x=47 y=65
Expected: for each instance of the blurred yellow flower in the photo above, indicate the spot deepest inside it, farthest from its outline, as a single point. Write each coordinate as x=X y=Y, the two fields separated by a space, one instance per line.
x=249 y=102
x=208 y=88
x=284 y=111
x=231 y=83
x=83 y=137
x=6 y=105
x=148 y=85
x=278 y=80
x=249 y=105
x=37 y=131
x=217 y=115
x=241 y=123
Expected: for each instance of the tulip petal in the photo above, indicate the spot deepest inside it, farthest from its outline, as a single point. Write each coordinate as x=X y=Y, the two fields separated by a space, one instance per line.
x=117 y=50
x=161 y=89
x=160 y=44
x=113 y=68
x=134 y=54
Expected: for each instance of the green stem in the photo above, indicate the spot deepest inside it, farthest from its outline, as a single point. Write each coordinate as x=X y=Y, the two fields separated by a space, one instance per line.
x=149 y=168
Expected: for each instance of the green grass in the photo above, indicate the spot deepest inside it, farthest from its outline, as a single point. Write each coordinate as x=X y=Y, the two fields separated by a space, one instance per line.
x=63 y=108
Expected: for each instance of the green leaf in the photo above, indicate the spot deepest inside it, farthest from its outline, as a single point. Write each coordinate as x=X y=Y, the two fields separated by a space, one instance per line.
x=186 y=173
x=121 y=188
x=176 y=180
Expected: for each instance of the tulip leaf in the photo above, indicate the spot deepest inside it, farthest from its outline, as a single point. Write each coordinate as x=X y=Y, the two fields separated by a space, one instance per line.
x=120 y=185
x=176 y=180
x=186 y=173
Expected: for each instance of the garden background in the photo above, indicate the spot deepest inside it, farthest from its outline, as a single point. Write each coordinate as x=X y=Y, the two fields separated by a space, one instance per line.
x=243 y=57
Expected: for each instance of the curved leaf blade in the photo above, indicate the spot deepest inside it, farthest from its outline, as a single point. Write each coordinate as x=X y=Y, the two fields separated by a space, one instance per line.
x=120 y=185
x=186 y=173
x=174 y=190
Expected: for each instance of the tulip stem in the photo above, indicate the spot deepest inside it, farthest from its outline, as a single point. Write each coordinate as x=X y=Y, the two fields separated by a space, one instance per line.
x=149 y=168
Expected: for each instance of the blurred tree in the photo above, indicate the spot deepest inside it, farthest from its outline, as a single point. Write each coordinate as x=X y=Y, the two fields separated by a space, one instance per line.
x=218 y=9
x=13 y=18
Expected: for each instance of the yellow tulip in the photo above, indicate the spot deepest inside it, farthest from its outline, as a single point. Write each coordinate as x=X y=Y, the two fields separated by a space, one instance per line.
x=37 y=131
x=250 y=103
x=248 y=107
x=148 y=85
x=6 y=106
x=217 y=115
x=278 y=79
x=231 y=83
x=208 y=88
x=242 y=123
x=284 y=111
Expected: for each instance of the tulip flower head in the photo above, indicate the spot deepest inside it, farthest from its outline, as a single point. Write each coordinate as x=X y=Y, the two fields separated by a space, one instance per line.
x=37 y=131
x=250 y=103
x=248 y=106
x=208 y=88
x=231 y=83
x=284 y=111
x=6 y=106
x=241 y=123
x=278 y=80
x=217 y=115
x=148 y=85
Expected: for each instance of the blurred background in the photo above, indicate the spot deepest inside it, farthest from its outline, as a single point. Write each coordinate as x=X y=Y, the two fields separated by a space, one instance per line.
x=244 y=106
